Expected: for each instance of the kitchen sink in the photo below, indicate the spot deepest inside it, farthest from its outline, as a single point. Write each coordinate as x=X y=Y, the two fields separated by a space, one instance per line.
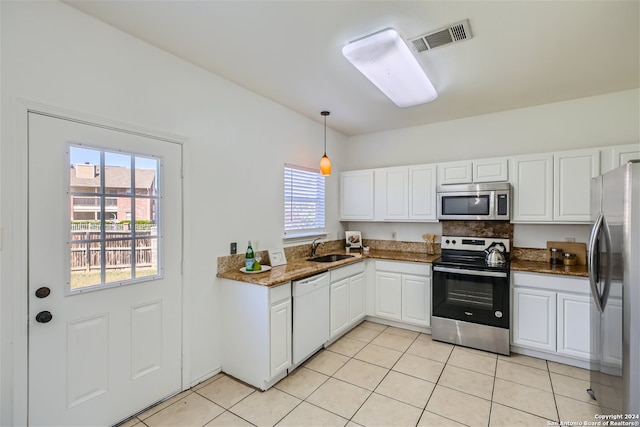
x=330 y=258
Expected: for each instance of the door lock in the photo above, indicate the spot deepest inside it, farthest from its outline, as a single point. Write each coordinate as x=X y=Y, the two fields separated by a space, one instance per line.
x=44 y=317
x=43 y=292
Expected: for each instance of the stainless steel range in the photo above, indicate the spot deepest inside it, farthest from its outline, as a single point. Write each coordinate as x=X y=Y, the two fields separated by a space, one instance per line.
x=470 y=300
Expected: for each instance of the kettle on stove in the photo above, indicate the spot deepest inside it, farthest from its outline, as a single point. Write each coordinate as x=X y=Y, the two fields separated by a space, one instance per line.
x=495 y=256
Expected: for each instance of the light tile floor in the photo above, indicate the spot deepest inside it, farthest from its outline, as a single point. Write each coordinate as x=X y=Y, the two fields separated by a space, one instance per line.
x=385 y=376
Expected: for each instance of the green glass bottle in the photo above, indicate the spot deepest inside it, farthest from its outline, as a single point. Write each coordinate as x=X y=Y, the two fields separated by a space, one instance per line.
x=249 y=258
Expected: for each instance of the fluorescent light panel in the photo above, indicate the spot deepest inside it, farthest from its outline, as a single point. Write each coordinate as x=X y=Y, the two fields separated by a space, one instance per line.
x=386 y=60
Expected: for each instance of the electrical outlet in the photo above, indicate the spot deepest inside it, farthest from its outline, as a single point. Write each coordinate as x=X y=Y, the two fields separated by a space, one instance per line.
x=393 y=235
x=570 y=239
x=233 y=248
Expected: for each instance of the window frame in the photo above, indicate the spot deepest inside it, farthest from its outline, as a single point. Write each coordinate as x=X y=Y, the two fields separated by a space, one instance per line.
x=319 y=227
x=104 y=193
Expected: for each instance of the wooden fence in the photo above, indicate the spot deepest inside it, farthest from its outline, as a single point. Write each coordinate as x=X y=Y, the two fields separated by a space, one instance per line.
x=86 y=254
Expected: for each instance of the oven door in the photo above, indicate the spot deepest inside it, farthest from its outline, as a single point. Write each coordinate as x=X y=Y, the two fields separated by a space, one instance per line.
x=475 y=296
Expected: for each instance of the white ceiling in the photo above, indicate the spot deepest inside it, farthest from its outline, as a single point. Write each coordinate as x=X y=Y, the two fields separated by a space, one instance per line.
x=522 y=53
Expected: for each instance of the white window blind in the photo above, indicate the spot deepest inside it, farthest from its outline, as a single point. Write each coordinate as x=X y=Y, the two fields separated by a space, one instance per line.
x=304 y=202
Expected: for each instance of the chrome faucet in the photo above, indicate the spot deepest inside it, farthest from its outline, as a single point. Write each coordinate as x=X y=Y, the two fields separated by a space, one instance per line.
x=314 y=246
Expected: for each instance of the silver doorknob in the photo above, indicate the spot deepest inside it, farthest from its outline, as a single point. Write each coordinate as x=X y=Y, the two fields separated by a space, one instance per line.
x=44 y=317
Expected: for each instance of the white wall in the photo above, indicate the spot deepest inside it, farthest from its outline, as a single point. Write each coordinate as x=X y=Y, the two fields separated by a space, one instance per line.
x=611 y=119
x=237 y=144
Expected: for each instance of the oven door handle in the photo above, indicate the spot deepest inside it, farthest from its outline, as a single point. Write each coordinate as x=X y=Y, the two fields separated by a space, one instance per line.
x=471 y=272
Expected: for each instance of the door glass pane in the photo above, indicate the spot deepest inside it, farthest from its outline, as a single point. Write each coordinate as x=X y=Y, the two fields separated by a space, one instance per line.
x=114 y=217
x=117 y=173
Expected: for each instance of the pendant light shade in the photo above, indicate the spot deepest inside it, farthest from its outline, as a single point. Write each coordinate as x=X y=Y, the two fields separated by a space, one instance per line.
x=325 y=163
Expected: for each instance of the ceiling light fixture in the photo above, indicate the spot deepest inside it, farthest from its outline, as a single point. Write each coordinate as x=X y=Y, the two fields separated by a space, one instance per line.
x=386 y=60
x=325 y=163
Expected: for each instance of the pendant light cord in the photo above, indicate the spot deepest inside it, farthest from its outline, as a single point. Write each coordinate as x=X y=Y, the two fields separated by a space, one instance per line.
x=325 y=114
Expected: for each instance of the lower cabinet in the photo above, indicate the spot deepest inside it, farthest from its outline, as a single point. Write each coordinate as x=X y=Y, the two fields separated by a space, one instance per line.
x=257 y=332
x=556 y=314
x=347 y=301
x=403 y=292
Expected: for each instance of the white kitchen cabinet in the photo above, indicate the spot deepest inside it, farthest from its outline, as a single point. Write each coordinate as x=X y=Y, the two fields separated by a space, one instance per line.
x=572 y=173
x=280 y=334
x=532 y=182
x=555 y=315
x=455 y=172
x=406 y=193
x=388 y=295
x=416 y=299
x=257 y=332
x=357 y=195
x=576 y=336
x=473 y=171
x=534 y=318
x=403 y=292
x=490 y=170
x=347 y=300
x=422 y=193
x=391 y=194
x=618 y=155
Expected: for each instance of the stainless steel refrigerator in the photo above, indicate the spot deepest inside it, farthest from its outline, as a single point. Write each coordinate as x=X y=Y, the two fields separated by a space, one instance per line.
x=614 y=274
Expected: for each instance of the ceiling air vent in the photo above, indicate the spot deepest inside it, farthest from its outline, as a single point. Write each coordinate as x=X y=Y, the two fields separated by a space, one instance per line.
x=452 y=34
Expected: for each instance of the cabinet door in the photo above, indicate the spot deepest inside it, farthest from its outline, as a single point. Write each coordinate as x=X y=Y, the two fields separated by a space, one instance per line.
x=532 y=181
x=613 y=157
x=388 y=301
x=357 y=289
x=391 y=194
x=490 y=170
x=455 y=173
x=416 y=299
x=534 y=318
x=280 y=330
x=339 y=307
x=576 y=335
x=422 y=193
x=572 y=173
x=356 y=195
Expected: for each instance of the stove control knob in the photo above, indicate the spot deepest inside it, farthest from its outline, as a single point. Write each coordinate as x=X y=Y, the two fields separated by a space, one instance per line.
x=447 y=241
x=454 y=242
x=498 y=314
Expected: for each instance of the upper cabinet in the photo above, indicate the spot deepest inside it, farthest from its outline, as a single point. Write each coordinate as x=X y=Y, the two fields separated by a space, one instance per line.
x=356 y=195
x=476 y=171
x=532 y=182
x=455 y=173
x=618 y=155
x=406 y=193
x=553 y=187
x=572 y=173
x=422 y=193
x=391 y=194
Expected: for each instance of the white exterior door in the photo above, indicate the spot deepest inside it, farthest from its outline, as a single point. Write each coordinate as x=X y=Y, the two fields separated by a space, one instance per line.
x=105 y=305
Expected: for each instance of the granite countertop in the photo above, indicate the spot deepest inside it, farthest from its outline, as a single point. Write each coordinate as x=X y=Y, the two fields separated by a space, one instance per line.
x=300 y=268
x=547 y=268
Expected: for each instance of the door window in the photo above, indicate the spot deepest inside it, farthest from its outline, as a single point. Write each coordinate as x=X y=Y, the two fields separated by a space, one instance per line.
x=114 y=211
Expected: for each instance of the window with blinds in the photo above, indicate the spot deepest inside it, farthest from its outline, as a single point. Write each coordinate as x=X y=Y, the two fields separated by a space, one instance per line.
x=304 y=202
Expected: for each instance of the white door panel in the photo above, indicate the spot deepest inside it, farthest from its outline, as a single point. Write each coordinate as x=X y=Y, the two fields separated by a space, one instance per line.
x=107 y=352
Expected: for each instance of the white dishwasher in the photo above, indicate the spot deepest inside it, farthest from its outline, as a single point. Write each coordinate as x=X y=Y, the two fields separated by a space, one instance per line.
x=310 y=315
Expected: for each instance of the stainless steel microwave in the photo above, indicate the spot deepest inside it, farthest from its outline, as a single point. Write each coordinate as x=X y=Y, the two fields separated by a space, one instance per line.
x=481 y=202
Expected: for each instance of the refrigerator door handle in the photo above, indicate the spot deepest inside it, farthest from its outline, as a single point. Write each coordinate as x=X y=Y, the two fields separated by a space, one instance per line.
x=594 y=261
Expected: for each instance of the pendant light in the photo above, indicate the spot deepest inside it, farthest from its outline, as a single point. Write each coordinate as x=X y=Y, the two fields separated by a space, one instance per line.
x=325 y=163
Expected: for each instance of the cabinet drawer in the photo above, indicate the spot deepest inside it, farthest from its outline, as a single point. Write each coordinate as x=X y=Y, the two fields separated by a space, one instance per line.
x=417 y=268
x=346 y=271
x=280 y=292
